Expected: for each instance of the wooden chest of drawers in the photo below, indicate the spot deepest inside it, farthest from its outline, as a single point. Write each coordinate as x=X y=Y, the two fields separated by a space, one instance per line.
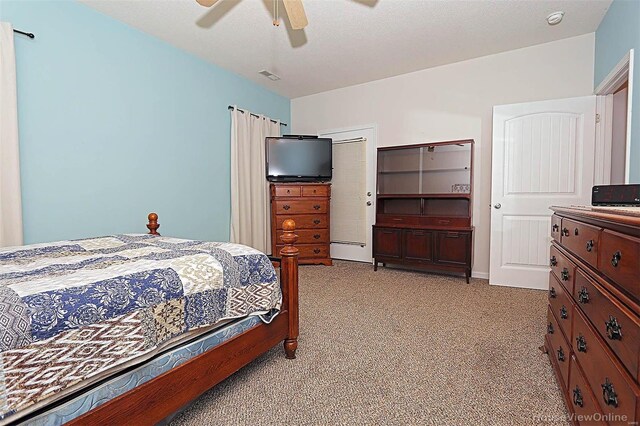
x=308 y=205
x=593 y=319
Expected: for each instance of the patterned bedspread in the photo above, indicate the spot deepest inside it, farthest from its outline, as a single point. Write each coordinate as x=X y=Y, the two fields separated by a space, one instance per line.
x=76 y=310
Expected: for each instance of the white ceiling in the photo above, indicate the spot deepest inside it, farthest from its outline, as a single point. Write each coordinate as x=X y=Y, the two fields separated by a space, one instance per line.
x=351 y=41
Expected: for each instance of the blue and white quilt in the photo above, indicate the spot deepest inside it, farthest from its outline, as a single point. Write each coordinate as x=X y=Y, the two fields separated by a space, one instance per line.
x=75 y=310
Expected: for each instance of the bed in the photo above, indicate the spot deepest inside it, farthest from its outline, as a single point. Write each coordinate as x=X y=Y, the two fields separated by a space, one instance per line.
x=128 y=329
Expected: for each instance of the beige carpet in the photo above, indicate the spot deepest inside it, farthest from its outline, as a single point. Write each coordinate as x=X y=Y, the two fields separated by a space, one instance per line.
x=397 y=347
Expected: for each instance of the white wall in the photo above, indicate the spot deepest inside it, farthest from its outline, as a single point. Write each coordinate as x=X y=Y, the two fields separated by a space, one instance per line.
x=455 y=102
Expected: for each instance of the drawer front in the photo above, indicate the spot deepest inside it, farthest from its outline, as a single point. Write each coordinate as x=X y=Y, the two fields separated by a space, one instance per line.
x=309 y=236
x=453 y=247
x=308 y=251
x=614 y=390
x=561 y=305
x=418 y=245
x=287 y=191
x=303 y=206
x=556 y=226
x=387 y=242
x=390 y=219
x=582 y=240
x=305 y=221
x=618 y=327
x=445 y=221
x=562 y=268
x=619 y=259
x=582 y=399
x=560 y=349
x=315 y=191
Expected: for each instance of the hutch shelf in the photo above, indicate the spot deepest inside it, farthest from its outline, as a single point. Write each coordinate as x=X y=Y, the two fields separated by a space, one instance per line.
x=424 y=205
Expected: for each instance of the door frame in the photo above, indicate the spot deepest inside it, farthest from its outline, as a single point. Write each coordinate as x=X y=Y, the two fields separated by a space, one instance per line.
x=371 y=174
x=623 y=71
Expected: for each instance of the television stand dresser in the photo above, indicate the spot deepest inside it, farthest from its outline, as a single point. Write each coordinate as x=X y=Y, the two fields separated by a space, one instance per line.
x=423 y=207
x=593 y=316
x=308 y=205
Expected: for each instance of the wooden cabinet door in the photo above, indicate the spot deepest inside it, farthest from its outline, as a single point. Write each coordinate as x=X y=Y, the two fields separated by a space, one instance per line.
x=452 y=247
x=418 y=245
x=387 y=242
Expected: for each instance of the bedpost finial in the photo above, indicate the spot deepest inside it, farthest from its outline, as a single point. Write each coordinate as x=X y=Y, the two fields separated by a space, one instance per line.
x=153 y=225
x=289 y=225
x=289 y=238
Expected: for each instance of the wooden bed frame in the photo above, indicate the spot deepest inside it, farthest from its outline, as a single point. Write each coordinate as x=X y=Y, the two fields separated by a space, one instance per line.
x=153 y=401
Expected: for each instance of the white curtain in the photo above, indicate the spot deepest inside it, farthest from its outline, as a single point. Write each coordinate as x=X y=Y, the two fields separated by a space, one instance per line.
x=250 y=214
x=10 y=198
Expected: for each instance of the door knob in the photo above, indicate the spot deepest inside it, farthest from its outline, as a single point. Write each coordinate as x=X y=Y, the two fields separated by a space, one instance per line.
x=497 y=206
x=368 y=203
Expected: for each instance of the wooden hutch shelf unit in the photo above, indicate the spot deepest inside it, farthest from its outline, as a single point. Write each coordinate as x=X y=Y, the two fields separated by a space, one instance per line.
x=308 y=205
x=424 y=202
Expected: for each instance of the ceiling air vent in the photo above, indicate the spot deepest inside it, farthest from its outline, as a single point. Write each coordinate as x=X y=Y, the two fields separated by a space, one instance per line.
x=271 y=76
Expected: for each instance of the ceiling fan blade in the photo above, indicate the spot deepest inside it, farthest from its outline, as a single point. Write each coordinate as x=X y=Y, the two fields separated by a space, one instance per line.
x=207 y=3
x=295 y=12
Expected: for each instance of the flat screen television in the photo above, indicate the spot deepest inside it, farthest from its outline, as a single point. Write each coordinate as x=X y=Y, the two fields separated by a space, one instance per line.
x=298 y=159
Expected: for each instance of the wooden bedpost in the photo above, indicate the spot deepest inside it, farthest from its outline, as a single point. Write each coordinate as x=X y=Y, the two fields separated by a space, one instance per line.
x=153 y=225
x=289 y=280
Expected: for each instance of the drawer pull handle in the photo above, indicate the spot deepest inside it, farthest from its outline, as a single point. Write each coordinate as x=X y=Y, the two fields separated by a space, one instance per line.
x=316 y=221
x=563 y=312
x=288 y=191
x=577 y=397
x=575 y=231
x=581 y=344
x=552 y=293
x=550 y=328
x=560 y=355
x=316 y=250
x=565 y=232
x=316 y=206
x=286 y=207
x=564 y=274
x=583 y=295
x=553 y=261
x=555 y=227
x=316 y=236
x=614 y=330
x=609 y=394
x=615 y=260
x=589 y=246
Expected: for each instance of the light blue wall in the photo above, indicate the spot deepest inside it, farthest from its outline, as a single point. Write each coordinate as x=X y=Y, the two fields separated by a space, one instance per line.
x=115 y=123
x=618 y=32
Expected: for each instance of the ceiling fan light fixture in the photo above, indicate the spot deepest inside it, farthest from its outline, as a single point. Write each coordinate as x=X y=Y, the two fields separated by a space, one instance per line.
x=555 y=18
x=271 y=76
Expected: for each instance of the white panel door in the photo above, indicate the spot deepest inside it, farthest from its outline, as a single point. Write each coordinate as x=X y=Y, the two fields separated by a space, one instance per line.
x=543 y=155
x=352 y=189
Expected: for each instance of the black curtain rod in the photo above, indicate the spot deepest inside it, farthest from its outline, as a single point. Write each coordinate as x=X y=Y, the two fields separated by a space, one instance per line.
x=255 y=115
x=30 y=35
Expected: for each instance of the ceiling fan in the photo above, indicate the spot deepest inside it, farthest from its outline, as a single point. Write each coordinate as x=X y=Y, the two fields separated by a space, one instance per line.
x=294 y=9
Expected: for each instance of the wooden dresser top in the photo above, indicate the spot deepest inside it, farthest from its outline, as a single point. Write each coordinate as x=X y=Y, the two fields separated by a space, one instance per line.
x=628 y=217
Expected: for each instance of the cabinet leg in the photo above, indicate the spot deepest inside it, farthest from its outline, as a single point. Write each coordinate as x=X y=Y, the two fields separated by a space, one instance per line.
x=467 y=273
x=375 y=265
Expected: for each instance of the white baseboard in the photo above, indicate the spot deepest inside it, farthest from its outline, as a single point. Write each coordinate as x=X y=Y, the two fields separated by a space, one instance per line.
x=483 y=275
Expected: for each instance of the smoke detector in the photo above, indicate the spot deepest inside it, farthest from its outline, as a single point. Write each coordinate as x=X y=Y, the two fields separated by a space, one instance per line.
x=271 y=76
x=555 y=18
